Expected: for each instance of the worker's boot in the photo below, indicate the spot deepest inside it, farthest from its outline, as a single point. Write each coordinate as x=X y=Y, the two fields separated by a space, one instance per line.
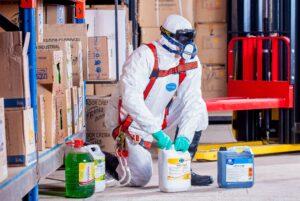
x=111 y=164
x=198 y=180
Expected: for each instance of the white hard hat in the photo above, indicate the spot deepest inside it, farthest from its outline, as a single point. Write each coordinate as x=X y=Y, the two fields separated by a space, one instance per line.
x=176 y=22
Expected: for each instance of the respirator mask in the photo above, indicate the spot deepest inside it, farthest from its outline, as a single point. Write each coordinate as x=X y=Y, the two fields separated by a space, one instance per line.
x=184 y=40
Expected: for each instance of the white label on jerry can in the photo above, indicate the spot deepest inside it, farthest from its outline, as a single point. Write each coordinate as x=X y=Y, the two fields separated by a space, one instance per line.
x=239 y=170
x=179 y=168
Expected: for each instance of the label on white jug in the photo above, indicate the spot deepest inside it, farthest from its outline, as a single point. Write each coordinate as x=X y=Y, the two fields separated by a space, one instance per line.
x=179 y=168
x=100 y=170
x=239 y=170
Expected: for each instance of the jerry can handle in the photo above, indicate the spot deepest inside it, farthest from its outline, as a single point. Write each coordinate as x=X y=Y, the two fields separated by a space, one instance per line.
x=93 y=148
x=240 y=149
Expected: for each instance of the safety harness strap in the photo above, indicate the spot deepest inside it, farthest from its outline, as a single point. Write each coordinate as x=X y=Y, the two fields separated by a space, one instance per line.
x=175 y=70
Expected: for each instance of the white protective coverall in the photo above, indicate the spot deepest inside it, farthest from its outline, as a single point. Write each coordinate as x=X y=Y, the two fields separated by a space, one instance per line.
x=188 y=111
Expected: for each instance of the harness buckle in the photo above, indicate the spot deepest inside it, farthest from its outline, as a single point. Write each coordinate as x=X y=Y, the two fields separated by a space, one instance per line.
x=136 y=139
x=154 y=73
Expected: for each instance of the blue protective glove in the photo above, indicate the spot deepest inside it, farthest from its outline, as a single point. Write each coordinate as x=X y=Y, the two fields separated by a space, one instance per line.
x=181 y=144
x=163 y=140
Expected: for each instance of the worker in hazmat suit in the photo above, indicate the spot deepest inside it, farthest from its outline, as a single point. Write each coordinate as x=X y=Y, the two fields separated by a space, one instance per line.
x=158 y=97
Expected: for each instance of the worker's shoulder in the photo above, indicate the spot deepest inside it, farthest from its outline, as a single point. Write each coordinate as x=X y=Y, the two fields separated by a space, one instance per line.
x=142 y=49
x=196 y=58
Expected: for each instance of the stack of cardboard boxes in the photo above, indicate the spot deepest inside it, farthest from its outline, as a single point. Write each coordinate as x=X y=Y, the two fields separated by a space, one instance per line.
x=60 y=74
x=102 y=67
x=152 y=14
x=14 y=88
x=211 y=39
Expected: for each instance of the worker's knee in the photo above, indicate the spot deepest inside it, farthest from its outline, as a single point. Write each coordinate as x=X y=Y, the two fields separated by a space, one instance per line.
x=141 y=175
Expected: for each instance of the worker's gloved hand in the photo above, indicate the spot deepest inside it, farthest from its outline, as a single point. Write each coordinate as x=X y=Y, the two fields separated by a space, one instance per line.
x=163 y=140
x=181 y=144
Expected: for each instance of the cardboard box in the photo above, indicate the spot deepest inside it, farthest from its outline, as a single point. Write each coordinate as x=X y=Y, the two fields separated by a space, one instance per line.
x=103 y=139
x=210 y=11
x=95 y=113
x=214 y=83
x=100 y=59
x=65 y=46
x=77 y=71
x=104 y=89
x=14 y=73
x=153 y=13
x=11 y=12
x=39 y=20
x=49 y=67
x=211 y=40
x=41 y=121
x=20 y=136
x=50 y=114
x=69 y=32
x=55 y=14
x=98 y=20
x=149 y=34
x=81 y=108
x=90 y=89
x=75 y=110
x=63 y=114
x=3 y=153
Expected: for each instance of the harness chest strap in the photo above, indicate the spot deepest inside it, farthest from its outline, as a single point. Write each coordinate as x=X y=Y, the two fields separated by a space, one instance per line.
x=180 y=69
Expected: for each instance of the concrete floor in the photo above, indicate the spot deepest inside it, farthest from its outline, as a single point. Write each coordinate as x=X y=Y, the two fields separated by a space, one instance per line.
x=277 y=179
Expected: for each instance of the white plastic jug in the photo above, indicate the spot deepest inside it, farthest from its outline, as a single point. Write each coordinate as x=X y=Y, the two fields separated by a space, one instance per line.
x=174 y=170
x=99 y=159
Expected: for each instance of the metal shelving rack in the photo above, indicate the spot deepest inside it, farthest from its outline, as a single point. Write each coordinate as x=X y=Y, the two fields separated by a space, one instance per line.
x=22 y=182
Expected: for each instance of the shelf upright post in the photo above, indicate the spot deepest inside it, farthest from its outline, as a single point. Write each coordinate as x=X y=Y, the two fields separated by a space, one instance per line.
x=80 y=12
x=28 y=25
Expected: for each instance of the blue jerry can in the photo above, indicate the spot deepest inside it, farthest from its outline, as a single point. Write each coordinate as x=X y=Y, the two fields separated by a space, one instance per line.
x=236 y=167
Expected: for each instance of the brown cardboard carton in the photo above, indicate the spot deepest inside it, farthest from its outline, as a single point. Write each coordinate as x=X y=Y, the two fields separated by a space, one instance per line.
x=41 y=121
x=77 y=71
x=81 y=108
x=69 y=32
x=95 y=112
x=50 y=114
x=99 y=58
x=214 y=81
x=97 y=20
x=75 y=109
x=149 y=34
x=211 y=40
x=152 y=13
x=14 y=73
x=210 y=11
x=3 y=153
x=20 y=136
x=103 y=139
x=104 y=89
x=63 y=114
x=11 y=12
x=66 y=66
x=55 y=14
x=49 y=67
x=90 y=89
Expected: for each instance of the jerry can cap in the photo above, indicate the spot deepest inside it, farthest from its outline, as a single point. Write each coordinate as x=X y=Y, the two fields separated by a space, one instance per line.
x=76 y=143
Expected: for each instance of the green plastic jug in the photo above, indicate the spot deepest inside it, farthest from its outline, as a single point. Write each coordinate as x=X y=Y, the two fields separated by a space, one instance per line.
x=80 y=171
